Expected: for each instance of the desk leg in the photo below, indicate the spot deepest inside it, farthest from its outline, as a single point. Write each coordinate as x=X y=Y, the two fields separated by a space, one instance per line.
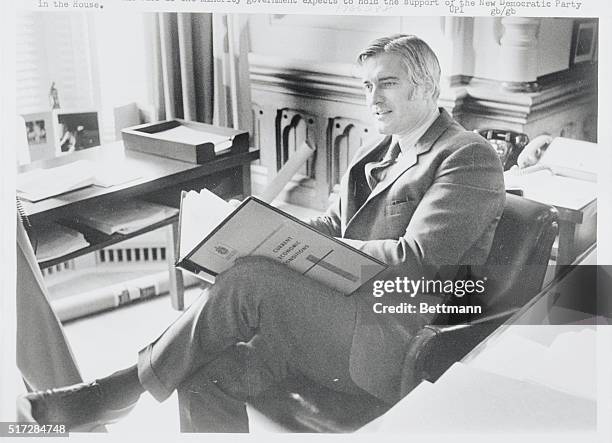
x=565 y=252
x=175 y=281
x=246 y=180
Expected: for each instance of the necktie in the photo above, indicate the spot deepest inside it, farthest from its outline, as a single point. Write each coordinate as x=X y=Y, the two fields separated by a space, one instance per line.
x=374 y=171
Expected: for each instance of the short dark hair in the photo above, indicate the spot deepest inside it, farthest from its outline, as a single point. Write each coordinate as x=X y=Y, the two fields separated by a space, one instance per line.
x=422 y=65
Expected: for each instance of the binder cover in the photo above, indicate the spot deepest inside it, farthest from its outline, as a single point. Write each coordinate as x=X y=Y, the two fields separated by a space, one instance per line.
x=256 y=228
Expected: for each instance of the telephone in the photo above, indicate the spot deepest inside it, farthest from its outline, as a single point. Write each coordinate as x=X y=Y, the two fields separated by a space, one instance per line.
x=508 y=144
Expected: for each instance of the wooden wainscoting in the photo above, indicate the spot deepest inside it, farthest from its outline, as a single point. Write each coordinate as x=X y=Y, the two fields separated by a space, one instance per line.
x=320 y=103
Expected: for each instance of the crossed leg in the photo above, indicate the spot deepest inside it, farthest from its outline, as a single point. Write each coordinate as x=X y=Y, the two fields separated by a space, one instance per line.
x=261 y=321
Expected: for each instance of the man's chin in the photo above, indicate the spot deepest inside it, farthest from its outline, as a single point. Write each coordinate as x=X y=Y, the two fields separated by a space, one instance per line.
x=383 y=129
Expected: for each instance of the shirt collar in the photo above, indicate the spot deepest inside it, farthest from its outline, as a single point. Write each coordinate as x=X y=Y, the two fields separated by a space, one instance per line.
x=408 y=139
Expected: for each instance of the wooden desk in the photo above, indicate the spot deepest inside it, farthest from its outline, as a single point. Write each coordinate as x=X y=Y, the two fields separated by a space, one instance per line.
x=535 y=374
x=570 y=299
x=577 y=231
x=576 y=203
x=161 y=180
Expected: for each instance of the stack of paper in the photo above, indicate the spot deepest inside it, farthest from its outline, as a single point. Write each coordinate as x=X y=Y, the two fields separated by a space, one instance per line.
x=572 y=158
x=544 y=186
x=53 y=240
x=185 y=134
x=562 y=177
x=124 y=217
x=201 y=213
x=40 y=184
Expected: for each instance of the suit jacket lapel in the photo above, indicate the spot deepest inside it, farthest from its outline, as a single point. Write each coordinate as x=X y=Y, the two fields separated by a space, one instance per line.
x=424 y=145
x=349 y=198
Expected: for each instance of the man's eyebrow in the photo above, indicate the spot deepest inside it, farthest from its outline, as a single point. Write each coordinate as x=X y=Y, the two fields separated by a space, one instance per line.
x=382 y=79
x=388 y=77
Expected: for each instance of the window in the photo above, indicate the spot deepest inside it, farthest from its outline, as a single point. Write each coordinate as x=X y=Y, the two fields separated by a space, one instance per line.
x=54 y=48
x=97 y=63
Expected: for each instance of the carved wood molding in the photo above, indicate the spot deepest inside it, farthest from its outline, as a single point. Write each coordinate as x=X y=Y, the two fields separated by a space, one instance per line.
x=485 y=97
x=328 y=81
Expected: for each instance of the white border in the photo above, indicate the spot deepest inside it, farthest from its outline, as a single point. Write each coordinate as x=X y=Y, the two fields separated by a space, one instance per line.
x=591 y=8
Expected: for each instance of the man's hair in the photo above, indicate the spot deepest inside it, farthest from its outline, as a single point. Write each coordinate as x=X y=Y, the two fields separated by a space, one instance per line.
x=420 y=61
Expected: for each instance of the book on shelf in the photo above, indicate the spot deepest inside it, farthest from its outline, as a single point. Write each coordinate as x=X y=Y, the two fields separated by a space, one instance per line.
x=123 y=217
x=213 y=234
x=39 y=184
x=53 y=240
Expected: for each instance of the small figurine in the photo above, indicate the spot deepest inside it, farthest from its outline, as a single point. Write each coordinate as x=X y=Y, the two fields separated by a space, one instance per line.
x=54 y=97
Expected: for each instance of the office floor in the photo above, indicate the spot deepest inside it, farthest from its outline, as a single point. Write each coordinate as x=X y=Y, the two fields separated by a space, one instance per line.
x=109 y=341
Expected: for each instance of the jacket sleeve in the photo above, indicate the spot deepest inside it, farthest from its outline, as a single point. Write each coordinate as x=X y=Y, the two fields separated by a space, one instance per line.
x=329 y=223
x=463 y=203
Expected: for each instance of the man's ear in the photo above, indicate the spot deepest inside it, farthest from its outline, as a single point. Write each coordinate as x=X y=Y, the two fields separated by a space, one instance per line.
x=427 y=90
x=422 y=92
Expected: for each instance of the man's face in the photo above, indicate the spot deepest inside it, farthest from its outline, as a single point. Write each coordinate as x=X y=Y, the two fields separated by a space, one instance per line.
x=396 y=104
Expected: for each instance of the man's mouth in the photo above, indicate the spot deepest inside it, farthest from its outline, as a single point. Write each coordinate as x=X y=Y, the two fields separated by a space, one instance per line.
x=381 y=113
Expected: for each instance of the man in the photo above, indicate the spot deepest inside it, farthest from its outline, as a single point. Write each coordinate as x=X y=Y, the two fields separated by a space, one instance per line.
x=429 y=194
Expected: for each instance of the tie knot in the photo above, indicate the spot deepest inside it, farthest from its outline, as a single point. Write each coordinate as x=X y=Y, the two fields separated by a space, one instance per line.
x=393 y=152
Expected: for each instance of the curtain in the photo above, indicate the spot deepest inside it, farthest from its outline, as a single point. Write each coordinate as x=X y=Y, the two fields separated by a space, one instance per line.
x=43 y=354
x=201 y=68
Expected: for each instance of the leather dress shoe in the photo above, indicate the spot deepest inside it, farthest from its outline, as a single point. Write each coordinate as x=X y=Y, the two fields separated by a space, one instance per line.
x=79 y=406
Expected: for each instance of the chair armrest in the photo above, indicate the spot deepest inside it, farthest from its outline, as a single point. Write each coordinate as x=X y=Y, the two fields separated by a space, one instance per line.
x=434 y=348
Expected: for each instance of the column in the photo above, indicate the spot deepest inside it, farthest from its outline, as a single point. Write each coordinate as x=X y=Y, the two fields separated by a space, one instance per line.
x=518 y=62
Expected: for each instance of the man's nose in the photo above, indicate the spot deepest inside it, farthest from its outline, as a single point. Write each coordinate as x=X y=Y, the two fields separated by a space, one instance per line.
x=375 y=97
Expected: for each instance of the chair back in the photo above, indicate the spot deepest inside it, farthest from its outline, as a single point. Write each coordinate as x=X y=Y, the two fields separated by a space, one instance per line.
x=520 y=253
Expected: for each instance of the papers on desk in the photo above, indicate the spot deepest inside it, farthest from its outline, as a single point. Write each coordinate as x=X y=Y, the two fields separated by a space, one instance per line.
x=565 y=176
x=544 y=186
x=107 y=175
x=40 y=184
x=54 y=240
x=123 y=217
x=515 y=384
x=572 y=158
x=185 y=134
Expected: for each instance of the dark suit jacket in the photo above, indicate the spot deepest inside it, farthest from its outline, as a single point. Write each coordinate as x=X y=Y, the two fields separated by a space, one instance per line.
x=441 y=209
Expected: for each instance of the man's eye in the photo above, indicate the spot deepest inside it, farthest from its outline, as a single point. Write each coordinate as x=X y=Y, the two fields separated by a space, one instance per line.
x=367 y=87
x=389 y=84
